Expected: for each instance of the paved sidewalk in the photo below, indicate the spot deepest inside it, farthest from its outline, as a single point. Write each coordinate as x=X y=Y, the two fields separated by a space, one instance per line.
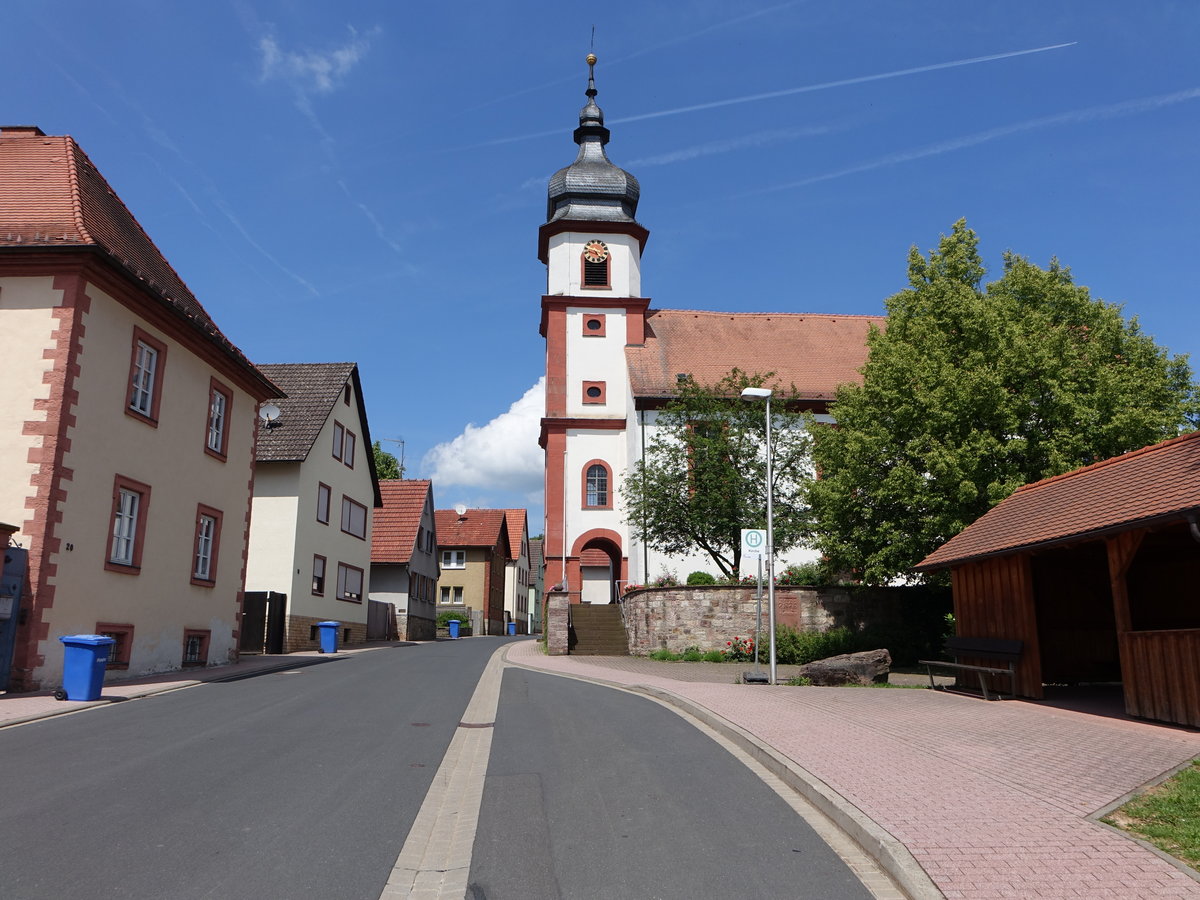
x=16 y=709
x=992 y=799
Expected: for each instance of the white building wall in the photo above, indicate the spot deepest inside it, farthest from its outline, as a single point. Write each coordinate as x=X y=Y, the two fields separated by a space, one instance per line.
x=592 y=358
x=27 y=324
x=564 y=270
x=516 y=581
x=271 y=562
x=313 y=537
x=647 y=564
x=159 y=601
x=582 y=447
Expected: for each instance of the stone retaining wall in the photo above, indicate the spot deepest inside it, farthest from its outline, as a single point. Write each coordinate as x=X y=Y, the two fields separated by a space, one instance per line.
x=708 y=616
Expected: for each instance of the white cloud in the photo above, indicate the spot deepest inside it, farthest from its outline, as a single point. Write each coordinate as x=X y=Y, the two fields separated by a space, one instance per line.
x=500 y=455
x=309 y=70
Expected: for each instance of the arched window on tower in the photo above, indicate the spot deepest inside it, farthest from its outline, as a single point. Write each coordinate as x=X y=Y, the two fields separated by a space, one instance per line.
x=596 y=261
x=597 y=485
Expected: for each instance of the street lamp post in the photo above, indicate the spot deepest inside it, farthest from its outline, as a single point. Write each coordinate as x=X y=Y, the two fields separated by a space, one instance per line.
x=758 y=393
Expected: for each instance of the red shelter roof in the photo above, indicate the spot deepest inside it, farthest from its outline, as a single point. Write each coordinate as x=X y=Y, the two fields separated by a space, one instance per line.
x=1158 y=483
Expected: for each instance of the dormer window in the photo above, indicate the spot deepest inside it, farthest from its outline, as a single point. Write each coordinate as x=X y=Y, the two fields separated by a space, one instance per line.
x=596 y=260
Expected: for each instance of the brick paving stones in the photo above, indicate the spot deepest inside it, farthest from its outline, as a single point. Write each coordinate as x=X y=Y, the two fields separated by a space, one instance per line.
x=992 y=799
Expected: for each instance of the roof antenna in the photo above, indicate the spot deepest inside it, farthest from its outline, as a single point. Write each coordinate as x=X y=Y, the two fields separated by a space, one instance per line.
x=592 y=46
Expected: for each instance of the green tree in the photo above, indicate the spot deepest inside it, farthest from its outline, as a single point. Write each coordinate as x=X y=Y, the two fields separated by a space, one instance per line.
x=387 y=467
x=703 y=476
x=972 y=392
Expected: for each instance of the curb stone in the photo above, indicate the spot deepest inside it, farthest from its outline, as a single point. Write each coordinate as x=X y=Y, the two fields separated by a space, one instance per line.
x=888 y=852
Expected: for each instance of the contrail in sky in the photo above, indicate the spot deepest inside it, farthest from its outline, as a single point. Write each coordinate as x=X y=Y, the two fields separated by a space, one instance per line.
x=787 y=92
x=1091 y=114
x=842 y=83
x=725 y=23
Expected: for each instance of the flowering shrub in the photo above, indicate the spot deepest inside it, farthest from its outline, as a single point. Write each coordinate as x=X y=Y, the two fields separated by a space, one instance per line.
x=808 y=574
x=739 y=650
x=666 y=579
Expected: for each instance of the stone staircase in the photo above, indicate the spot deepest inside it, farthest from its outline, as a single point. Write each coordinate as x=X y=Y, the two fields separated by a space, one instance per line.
x=597 y=631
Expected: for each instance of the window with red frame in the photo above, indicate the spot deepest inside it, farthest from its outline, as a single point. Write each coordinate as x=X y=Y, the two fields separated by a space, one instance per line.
x=195 y=647
x=220 y=402
x=119 y=650
x=146 y=368
x=207 y=543
x=127 y=534
x=596 y=486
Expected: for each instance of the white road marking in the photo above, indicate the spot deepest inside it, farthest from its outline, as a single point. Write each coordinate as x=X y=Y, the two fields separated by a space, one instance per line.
x=435 y=862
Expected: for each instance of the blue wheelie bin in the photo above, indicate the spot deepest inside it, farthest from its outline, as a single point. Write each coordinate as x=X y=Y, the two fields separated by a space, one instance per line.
x=329 y=635
x=84 y=659
x=453 y=626
x=512 y=627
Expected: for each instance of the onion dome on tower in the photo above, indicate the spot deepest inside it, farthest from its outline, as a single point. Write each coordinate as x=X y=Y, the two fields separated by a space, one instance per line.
x=592 y=189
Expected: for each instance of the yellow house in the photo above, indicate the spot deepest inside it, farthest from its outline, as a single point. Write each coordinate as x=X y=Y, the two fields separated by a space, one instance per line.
x=474 y=550
x=127 y=430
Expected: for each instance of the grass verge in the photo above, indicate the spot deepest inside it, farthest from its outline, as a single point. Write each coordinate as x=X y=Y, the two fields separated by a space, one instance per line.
x=1167 y=815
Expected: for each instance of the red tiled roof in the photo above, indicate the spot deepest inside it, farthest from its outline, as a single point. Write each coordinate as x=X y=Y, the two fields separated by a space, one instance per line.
x=814 y=352
x=475 y=528
x=516 y=531
x=51 y=195
x=395 y=525
x=1158 y=482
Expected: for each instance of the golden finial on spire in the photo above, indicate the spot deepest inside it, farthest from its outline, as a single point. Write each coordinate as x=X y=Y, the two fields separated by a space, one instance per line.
x=591 y=59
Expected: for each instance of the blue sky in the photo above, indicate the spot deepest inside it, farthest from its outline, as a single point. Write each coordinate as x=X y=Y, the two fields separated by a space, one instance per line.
x=364 y=180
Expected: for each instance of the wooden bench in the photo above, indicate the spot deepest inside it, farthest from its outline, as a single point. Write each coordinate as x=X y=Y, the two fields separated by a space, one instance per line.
x=998 y=649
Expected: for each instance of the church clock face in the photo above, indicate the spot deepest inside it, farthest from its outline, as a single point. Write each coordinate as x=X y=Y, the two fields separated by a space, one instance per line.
x=595 y=251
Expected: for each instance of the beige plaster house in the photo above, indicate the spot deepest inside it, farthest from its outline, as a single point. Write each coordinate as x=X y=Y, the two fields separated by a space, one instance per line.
x=127 y=425
x=404 y=557
x=473 y=545
x=315 y=487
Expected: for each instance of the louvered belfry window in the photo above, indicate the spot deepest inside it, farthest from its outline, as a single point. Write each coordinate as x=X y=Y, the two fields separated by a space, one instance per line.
x=595 y=274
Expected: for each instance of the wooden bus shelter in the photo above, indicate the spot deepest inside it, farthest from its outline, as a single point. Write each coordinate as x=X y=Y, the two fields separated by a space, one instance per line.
x=1098 y=572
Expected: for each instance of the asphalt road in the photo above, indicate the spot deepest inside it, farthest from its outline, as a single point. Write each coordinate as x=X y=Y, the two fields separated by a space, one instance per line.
x=593 y=794
x=305 y=783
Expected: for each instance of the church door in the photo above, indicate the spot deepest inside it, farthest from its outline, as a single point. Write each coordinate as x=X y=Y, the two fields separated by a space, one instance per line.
x=597 y=584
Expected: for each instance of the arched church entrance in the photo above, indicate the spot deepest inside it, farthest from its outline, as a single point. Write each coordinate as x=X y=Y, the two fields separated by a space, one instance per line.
x=600 y=568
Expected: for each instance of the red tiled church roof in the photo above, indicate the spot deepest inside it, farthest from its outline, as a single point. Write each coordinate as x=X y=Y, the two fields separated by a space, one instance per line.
x=475 y=528
x=1158 y=482
x=814 y=352
x=395 y=525
x=51 y=195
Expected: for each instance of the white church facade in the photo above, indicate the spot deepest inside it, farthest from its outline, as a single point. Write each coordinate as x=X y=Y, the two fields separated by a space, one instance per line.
x=612 y=362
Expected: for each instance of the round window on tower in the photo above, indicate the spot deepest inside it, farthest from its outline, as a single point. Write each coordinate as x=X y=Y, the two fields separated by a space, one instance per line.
x=593 y=392
x=593 y=325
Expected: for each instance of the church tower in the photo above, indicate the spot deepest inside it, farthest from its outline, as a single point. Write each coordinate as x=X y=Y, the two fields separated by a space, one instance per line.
x=592 y=310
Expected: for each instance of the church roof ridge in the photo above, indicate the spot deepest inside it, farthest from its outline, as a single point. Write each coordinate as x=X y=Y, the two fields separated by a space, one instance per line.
x=718 y=312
